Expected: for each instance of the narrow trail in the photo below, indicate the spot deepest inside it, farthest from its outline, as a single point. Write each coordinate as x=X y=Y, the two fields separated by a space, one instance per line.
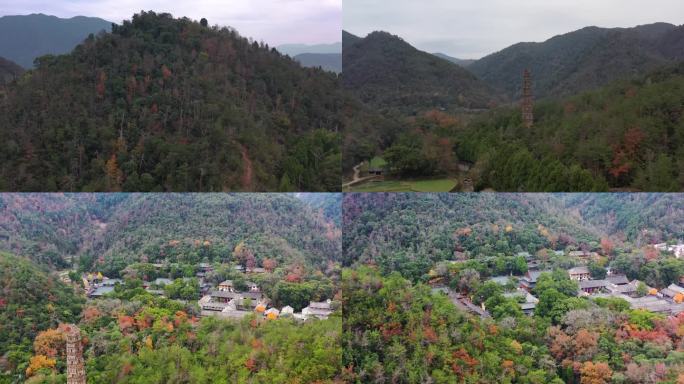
x=248 y=171
x=357 y=172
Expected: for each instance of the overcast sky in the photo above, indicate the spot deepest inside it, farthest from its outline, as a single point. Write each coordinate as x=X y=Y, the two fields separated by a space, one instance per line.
x=273 y=21
x=470 y=29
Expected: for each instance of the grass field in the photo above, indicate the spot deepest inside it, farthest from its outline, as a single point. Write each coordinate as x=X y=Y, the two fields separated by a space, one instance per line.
x=434 y=185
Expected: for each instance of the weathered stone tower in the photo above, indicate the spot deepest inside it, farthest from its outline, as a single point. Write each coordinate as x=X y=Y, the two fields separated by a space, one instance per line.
x=74 y=355
x=527 y=107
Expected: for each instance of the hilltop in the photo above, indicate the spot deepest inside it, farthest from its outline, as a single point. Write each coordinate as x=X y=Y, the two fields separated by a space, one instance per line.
x=165 y=104
x=388 y=73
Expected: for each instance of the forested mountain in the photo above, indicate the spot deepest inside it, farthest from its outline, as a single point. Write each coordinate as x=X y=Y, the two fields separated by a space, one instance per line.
x=9 y=71
x=386 y=72
x=30 y=301
x=626 y=135
x=410 y=232
x=111 y=231
x=328 y=61
x=462 y=62
x=23 y=38
x=171 y=104
x=582 y=60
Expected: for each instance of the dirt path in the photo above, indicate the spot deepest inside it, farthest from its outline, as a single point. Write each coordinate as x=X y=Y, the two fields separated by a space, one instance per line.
x=248 y=172
x=357 y=172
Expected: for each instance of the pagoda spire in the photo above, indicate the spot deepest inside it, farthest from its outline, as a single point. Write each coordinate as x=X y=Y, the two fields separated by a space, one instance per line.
x=527 y=104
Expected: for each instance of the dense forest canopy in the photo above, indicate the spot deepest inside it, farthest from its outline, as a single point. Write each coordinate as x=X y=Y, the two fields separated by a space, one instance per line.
x=110 y=231
x=411 y=232
x=398 y=332
x=163 y=104
x=626 y=135
x=31 y=300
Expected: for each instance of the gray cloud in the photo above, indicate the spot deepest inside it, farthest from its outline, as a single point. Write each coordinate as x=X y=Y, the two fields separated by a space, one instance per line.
x=472 y=29
x=273 y=21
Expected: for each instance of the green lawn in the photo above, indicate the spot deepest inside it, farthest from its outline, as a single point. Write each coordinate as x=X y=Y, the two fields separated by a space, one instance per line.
x=434 y=185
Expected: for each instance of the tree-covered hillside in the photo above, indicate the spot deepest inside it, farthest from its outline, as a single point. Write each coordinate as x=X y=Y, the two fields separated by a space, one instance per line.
x=626 y=135
x=110 y=231
x=164 y=104
x=31 y=300
x=328 y=203
x=388 y=73
x=582 y=60
x=411 y=232
x=395 y=332
x=399 y=332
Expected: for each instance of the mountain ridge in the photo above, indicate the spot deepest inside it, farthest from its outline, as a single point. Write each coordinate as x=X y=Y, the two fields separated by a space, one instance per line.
x=23 y=38
x=111 y=231
x=581 y=60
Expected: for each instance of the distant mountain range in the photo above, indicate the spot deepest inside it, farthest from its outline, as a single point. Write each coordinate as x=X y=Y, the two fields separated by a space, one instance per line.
x=583 y=59
x=385 y=71
x=25 y=37
x=328 y=61
x=297 y=49
x=326 y=56
x=461 y=62
x=561 y=66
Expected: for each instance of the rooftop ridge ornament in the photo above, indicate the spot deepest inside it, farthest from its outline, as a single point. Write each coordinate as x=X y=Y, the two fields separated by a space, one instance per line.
x=527 y=105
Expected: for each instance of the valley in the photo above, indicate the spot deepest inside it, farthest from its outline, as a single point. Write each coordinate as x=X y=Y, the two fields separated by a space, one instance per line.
x=241 y=287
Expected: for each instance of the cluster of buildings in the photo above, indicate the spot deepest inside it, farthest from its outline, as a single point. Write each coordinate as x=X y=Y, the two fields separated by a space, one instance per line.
x=667 y=301
x=227 y=301
x=97 y=285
